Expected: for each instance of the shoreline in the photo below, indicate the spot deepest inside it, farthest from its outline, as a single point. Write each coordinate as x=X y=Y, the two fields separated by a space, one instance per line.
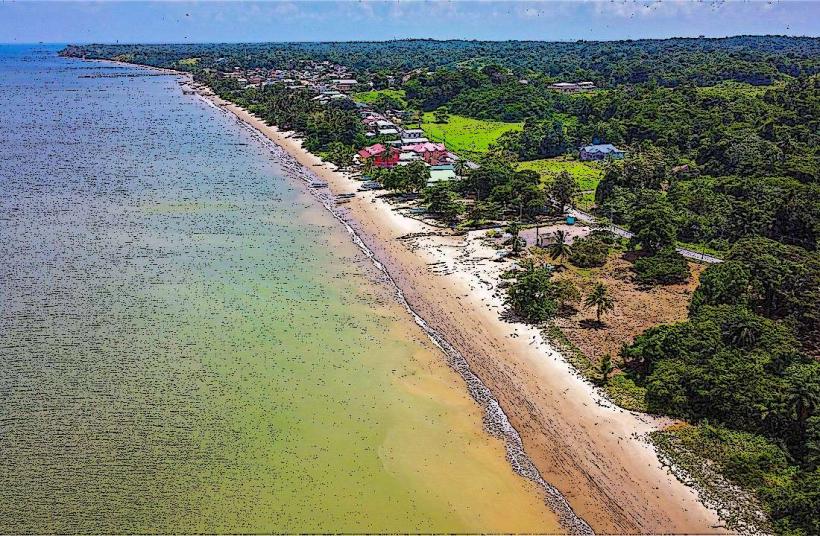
x=595 y=455
x=634 y=492
x=496 y=422
x=651 y=498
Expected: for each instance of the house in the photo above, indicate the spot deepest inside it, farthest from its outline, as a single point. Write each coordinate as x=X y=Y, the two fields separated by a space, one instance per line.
x=371 y=120
x=431 y=153
x=413 y=133
x=441 y=173
x=412 y=141
x=600 y=151
x=571 y=87
x=563 y=87
x=472 y=166
x=388 y=132
x=448 y=158
x=411 y=136
x=380 y=155
x=407 y=158
x=345 y=84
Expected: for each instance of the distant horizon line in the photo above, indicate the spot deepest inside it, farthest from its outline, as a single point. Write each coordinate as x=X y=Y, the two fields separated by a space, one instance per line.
x=79 y=43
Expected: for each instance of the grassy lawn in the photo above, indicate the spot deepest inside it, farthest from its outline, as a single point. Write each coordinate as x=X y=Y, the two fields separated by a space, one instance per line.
x=369 y=97
x=587 y=174
x=585 y=201
x=730 y=89
x=464 y=135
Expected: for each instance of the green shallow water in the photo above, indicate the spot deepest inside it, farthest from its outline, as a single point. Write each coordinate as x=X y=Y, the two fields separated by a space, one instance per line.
x=190 y=344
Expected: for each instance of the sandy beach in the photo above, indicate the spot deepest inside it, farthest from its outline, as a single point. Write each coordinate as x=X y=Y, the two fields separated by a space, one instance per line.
x=594 y=454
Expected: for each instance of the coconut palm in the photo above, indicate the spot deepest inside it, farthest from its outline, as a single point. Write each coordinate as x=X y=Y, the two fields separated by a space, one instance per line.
x=514 y=229
x=460 y=168
x=367 y=167
x=559 y=249
x=802 y=397
x=744 y=335
x=605 y=368
x=601 y=299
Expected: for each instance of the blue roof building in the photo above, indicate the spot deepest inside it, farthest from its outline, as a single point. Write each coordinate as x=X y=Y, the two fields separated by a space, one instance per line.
x=600 y=151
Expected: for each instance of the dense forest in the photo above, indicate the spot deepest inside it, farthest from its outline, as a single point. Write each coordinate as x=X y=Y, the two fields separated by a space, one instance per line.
x=738 y=363
x=721 y=139
x=752 y=59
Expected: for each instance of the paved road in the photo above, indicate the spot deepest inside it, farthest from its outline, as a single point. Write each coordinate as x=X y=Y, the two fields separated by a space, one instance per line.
x=620 y=231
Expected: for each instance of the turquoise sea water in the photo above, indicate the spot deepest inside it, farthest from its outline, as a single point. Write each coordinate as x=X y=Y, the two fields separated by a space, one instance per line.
x=188 y=342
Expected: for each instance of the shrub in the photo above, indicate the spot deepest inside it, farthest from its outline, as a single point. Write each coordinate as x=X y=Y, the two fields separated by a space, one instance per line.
x=588 y=252
x=443 y=202
x=604 y=235
x=753 y=462
x=664 y=268
x=535 y=297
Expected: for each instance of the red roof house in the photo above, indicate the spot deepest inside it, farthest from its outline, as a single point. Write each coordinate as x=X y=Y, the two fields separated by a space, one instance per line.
x=429 y=152
x=380 y=155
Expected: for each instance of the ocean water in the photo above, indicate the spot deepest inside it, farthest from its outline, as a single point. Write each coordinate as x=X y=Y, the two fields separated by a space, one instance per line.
x=190 y=343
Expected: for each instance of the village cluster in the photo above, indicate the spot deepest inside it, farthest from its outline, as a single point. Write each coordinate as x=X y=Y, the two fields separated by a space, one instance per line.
x=328 y=80
x=397 y=144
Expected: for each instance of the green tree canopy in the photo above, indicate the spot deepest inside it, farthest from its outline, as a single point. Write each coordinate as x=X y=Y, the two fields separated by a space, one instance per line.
x=653 y=227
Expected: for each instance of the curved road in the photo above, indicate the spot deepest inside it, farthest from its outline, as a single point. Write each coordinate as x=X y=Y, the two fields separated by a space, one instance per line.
x=620 y=231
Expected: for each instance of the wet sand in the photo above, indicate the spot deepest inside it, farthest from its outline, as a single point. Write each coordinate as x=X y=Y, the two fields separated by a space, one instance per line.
x=595 y=454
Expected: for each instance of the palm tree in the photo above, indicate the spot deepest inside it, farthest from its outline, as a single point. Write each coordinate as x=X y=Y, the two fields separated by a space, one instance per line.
x=367 y=168
x=460 y=167
x=744 y=334
x=803 y=400
x=514 y=229
x=601 y=299
x=606 y=368
x=560 y=249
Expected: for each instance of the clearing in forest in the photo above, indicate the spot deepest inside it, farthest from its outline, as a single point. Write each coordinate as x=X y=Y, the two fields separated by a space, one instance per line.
x=464 y=135
x=369 y=97
x=587 y=175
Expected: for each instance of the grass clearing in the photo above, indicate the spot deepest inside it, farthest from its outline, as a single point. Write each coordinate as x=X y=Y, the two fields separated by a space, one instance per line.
x=464 y=135
x=730 y=89
x=585 y=201
x=369 y=97
x=584 y=342
x=587 y=174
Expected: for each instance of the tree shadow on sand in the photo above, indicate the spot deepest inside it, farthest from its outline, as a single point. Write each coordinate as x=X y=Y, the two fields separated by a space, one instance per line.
x=589 y=323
